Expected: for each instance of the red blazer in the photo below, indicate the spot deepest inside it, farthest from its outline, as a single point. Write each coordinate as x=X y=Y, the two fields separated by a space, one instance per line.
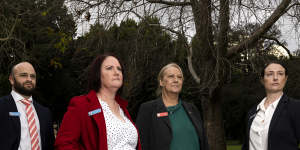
x=83 y=130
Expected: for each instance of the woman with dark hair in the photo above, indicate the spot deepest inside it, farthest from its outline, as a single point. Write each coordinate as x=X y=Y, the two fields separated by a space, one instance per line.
x=168 y=123
x=274 y=124
x=99 y=120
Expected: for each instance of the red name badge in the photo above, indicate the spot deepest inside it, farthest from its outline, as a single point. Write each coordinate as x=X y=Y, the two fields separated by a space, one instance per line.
x=163 y=114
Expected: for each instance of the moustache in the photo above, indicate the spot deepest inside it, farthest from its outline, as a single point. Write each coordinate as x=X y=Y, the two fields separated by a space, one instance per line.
x=28 y=82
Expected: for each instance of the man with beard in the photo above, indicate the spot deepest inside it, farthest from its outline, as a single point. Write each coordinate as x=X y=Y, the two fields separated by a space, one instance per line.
x=25 y=124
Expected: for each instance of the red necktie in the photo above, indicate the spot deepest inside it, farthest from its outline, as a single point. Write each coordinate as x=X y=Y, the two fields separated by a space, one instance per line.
x=31 y=125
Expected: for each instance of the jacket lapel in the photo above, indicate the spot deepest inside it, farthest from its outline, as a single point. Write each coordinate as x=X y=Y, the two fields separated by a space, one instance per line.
x=12 y=107
x=160 y=108
x=252 y=115
x=97 y=117
x=196 y=122
x=14 y=121
x=277 y=113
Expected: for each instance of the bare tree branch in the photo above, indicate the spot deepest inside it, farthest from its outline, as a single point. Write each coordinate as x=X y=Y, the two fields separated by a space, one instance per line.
x=280 y=44
x=10 y=32
x=279 y=11
x=295 y=4
x=170 y=3
x=223 y=27
x=166 y=28
x=189 y=52
x=190 y=65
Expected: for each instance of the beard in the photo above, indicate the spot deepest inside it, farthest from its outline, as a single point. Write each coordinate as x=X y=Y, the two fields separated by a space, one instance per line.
x=20 y=88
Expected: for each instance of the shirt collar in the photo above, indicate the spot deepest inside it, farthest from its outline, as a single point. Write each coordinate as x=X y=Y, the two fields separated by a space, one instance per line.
x=18 y=97
x=274 y=104
x=175 y=107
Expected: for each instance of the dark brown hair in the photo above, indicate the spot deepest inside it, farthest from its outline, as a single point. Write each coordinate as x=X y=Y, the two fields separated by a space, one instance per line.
x=262 y=73
x=94 y=73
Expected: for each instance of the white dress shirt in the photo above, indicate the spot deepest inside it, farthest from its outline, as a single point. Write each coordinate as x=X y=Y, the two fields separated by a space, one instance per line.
x=260 y=126
x=25 y=141
x=120 y=135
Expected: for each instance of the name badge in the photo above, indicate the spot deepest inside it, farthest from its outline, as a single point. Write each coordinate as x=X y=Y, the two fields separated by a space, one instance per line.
x=162 y=114
x=14 y=114
x=93 y=112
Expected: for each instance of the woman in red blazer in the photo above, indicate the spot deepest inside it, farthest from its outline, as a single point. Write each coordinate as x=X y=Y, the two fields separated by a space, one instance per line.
x=99 y=120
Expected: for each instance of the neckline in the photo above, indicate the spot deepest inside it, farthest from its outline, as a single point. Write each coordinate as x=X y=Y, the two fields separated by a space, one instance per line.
x=174 y=108
x=122 y=114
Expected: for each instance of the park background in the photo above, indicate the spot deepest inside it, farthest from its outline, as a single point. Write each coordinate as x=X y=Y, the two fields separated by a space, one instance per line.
x=221 y=57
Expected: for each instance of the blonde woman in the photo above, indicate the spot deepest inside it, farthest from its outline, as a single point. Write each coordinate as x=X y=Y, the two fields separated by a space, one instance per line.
x=168 y=123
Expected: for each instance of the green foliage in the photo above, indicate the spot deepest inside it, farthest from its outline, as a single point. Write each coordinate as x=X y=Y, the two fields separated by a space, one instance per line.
x=63 y=43
x=39 y=30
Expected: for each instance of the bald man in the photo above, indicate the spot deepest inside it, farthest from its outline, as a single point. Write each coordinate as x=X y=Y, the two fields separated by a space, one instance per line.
x=24 y=124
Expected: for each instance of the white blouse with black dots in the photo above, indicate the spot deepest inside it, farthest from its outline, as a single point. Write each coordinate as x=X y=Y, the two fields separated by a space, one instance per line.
x=120 y=135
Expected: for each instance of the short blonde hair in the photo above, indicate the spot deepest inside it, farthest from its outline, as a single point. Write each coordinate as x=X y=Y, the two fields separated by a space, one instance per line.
x=161 y=74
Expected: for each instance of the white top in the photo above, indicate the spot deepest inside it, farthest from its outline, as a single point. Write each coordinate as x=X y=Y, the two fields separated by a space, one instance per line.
x=260 y=126
x=120 y=135
x=25 y=143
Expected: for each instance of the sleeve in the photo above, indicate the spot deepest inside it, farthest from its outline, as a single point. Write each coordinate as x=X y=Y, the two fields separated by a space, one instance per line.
x=245 y=145
x=49 y=133
x=68 y=135
x=295 y=113
x=4 y=126
x=143 y=124
x=204 y=139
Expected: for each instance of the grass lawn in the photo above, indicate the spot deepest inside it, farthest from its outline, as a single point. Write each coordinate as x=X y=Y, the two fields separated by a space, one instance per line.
x=234 y=147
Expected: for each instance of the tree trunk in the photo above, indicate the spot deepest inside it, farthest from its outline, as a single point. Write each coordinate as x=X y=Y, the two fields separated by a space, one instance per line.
x=213 y=121
x=206 y=60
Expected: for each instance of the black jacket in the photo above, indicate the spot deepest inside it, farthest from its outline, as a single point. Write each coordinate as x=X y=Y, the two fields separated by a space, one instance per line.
x=10 y=126
x=156 y=132
x=284 y=129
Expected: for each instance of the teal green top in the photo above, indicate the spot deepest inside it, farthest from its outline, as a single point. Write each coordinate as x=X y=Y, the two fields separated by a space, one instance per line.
x=183 y=130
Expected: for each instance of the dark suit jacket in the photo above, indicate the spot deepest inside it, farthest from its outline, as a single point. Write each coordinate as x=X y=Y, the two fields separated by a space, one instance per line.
x=284 y=129
x=156 y=133
x=10 y=126
x=81 y=130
